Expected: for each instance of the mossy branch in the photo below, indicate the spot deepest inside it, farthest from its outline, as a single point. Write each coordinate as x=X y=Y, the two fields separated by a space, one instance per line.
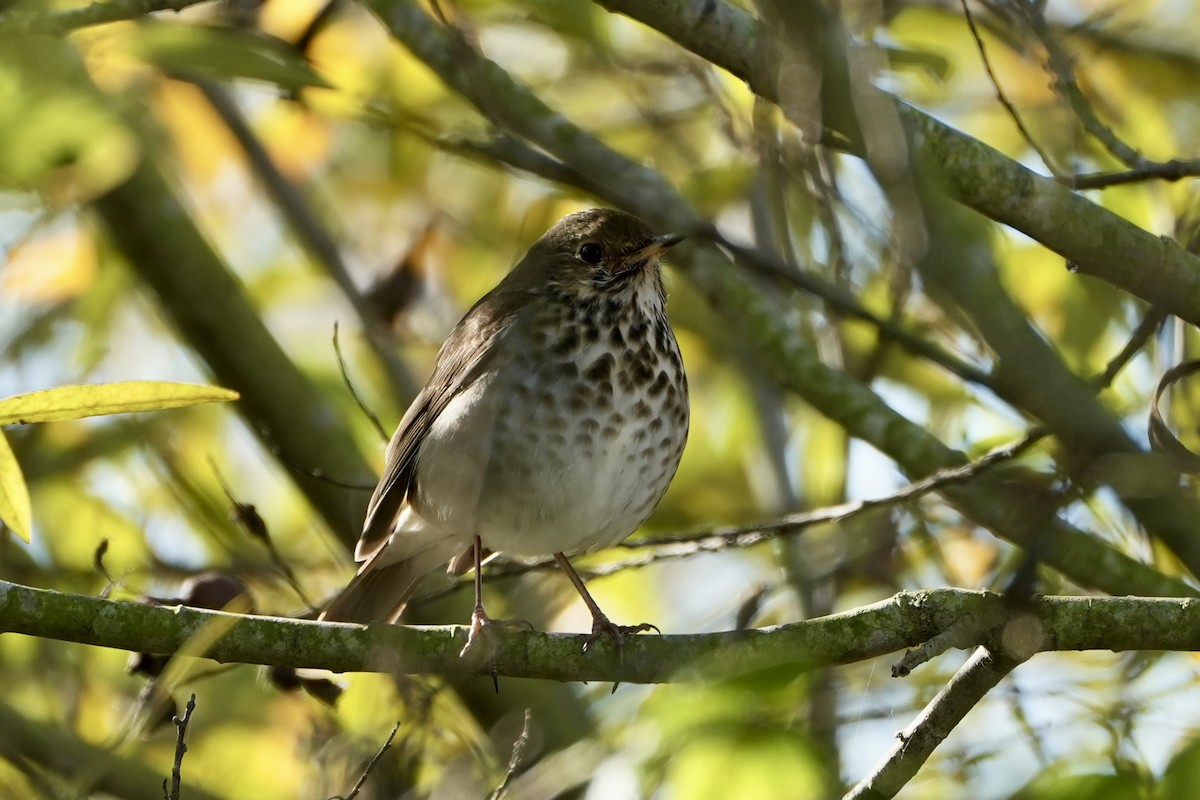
x=906 y=620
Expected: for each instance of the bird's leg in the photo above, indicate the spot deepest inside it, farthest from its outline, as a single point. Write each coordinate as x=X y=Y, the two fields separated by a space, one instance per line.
x=601 y=625
x=482 y=626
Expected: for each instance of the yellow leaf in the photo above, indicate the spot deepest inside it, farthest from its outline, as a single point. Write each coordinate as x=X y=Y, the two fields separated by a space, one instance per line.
x=76 y=402
x=14 y=495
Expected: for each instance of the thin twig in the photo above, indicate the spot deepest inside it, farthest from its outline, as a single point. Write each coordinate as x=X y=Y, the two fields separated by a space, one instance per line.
x=917 y=742
x=181 y=726
x=1137 y=340
x=1173 y=170
x=341 y=362
x=246 y=515
x=1058 y=62
x=514 y=760
x=366 y=773
x=1001 y=96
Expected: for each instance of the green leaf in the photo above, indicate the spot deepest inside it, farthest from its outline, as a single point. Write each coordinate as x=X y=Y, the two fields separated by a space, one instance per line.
x=15 y=510
x=224 y=53
x=76 y=402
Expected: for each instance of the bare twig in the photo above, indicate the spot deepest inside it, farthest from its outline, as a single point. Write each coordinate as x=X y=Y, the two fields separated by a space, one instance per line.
x=917 y=742
x=98 y=564
x=1173 y=170
x=181 y=726
x=514 y=760
x=366 y=773
x=1001 y=96
x=246 y=515
x=1137 y=340
x=1058 y=62
x=341 y=362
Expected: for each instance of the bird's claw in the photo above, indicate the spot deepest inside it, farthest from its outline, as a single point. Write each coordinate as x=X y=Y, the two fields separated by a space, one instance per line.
x=602 y=626
x=484 y=627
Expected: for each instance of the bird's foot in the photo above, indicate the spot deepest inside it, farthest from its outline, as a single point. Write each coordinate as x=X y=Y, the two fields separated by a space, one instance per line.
x=602 y=626
x=482 y=634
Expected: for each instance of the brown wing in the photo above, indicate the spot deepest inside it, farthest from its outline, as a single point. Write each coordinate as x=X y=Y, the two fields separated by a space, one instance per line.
x=463 y=357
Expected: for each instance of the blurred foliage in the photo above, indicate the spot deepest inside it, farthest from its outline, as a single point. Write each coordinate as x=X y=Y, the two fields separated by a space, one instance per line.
x=395 y=167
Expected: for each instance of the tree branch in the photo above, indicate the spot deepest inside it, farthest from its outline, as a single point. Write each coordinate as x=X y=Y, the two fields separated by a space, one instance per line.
x=906 y=620
x=917 y=742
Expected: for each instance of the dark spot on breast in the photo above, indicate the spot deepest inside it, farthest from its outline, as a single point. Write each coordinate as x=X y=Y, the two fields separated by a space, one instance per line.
x=641 y=370
x=661 y=335
x=601 y=369
x=566 y=345
x=660 y=384
x=612 y=313
x=615 y=337
x=655 y=425
x=641 y=410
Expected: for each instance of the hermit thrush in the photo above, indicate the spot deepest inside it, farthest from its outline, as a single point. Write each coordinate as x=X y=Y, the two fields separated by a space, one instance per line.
x=553 y=423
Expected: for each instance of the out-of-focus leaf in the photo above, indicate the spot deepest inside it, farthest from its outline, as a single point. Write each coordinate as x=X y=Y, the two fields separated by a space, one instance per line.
x=76 y=402
x=746 y=763
x=224 y=53
x=15 y=511
x=60 y=138
x=933 y=65
x=1053 y=785
x=1182 y=775
x=59 y=265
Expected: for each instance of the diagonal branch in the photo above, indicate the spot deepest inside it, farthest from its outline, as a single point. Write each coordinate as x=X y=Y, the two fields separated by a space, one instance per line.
x=917 y=742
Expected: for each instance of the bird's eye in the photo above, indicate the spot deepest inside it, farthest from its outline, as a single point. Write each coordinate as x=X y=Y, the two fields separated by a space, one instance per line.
x=591 y=253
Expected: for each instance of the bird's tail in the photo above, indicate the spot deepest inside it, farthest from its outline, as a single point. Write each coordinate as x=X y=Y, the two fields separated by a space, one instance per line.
x=386 y=582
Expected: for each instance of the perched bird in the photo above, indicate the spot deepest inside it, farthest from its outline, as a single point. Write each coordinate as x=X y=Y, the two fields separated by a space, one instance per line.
x=553 y=423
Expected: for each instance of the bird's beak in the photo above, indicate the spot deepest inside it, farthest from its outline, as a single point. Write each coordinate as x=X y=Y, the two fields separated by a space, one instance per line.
x=649 y=252
x=659 y=245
